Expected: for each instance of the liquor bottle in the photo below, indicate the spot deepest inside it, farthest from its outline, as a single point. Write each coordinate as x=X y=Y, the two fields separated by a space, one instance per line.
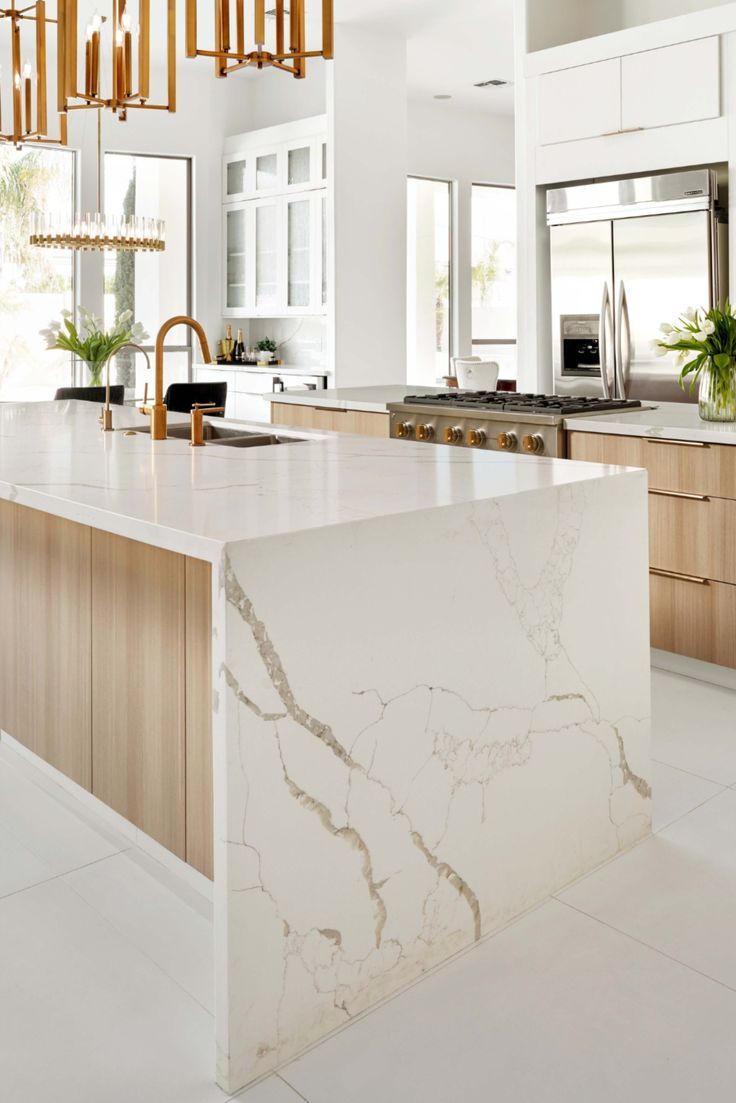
x=240 y=348
x=228 y=345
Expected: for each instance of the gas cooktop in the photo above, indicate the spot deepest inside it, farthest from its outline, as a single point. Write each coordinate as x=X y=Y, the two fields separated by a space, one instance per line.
x=509 y=402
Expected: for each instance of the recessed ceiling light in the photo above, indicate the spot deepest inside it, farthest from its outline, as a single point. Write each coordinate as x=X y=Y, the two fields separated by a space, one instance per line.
x=443 y=96
x=495 y=83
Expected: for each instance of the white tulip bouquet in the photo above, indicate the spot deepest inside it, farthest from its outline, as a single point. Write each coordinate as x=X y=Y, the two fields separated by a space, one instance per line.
x=89 y=341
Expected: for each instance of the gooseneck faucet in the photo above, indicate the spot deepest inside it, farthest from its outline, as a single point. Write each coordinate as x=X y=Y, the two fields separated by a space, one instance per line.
x=106 y=416
x=157 y=412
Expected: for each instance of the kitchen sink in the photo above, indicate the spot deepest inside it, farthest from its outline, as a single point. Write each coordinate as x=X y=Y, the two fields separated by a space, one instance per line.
x=228 y=435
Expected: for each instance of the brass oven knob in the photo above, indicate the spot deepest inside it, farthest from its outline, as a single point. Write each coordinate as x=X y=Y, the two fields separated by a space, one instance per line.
x=425 y=432
x=534 y=443
x=404 y=430
x=453 y=435
x=507 y=442
x=476 y=438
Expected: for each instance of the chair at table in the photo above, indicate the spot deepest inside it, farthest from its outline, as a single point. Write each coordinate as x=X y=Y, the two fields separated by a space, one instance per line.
x=474 y=374
x=180 y=397
x=92 y=394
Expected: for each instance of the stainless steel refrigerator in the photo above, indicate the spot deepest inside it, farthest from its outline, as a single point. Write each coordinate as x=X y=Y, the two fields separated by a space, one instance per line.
x=627 y=255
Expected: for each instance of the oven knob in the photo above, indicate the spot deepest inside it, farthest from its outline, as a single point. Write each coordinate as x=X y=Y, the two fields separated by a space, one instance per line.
x=476 y=438
x=507 y=442
x=404 y=430
x=453 y=435
x=425 y=432
x=534 y=443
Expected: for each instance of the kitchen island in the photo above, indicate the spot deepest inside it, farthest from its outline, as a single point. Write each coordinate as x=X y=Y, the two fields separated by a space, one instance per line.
x=429 y=676
x=362 y=410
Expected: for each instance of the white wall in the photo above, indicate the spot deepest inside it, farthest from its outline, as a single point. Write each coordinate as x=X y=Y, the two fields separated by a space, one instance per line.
x=448 y=142
x=366 y=109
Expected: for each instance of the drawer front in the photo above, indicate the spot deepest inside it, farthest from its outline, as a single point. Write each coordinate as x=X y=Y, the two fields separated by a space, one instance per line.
x=693 y=536
x=694 y=619
x=688 y=467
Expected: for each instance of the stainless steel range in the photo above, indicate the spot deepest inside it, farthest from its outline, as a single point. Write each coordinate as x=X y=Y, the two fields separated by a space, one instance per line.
x=498 y=421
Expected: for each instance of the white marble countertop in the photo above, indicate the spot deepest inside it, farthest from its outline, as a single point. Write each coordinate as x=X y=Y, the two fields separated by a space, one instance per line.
x=371 y=399
x=669 y=420
x=53 y=457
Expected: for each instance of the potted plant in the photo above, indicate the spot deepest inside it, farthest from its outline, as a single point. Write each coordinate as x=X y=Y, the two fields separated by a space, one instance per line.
x=266 y=350
x=90 y=342
x=706 y=343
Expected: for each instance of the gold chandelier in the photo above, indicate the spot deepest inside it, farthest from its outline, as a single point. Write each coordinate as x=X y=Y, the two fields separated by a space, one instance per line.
x=129 y=46
x=230 y=51
x=28 y=121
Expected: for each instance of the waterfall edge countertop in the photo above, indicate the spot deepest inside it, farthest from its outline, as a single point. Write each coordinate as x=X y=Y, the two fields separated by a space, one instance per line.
x=369 y=399
x=668 y=420
x=54 y=457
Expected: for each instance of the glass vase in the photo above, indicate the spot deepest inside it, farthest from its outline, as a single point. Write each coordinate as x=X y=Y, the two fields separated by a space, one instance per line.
x=717 y=393
x=94 y=372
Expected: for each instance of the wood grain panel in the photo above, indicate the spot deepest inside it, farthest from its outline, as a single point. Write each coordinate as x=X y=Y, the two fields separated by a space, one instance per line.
x=692 y=619
x=690 y=468
x=46 y=641
x=199 y=830
x=138 y=708
x=693 y=537
x=363 y=422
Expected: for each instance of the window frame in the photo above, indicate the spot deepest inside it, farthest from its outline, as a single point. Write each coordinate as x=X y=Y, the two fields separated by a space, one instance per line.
x=452 y=255
x=186 y=347
x=488 y=342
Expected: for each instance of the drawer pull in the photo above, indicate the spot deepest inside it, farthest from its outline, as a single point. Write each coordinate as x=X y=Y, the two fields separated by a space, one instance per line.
x=679 y=443
x=331 y=409
x=679 y=577
x=681 y=494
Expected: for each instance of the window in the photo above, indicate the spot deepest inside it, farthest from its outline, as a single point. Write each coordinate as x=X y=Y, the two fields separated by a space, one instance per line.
x=494 y=275
x=35 y=284
x=155 y=286
x=429 y=279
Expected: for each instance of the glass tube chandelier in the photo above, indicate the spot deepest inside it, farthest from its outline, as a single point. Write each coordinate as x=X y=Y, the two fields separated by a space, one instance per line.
x=24 y=109
x=98 y=231
x=281 y=46
x=122 y=44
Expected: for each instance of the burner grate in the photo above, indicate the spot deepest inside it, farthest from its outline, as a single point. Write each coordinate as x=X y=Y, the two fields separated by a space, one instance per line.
x=513 y=403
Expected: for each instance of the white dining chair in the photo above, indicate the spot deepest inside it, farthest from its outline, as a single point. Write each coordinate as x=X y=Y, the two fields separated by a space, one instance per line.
x=474 y=374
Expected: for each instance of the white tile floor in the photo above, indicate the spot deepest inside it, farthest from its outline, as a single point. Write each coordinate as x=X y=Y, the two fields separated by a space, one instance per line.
x=623 y=987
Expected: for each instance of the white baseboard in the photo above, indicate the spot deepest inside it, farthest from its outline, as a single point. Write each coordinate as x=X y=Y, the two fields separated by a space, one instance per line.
x=694 y=668
x=174 y=865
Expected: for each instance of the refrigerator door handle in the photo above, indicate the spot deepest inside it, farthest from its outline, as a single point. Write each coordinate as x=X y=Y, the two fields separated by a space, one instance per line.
x=606 y=318
x=623 y=366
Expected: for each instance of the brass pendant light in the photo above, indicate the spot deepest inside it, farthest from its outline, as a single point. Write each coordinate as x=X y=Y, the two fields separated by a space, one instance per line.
x=22 y=119
x=124 y=91
x=230 y=51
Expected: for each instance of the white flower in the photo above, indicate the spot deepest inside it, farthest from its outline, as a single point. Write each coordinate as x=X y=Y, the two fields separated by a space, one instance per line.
x=708 y=327
x=666 y=328
x=661 y=350
x=66 y=313
x=125 y=316
x=700 y=336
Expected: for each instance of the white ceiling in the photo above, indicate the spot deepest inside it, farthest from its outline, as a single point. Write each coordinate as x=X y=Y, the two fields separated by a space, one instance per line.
x=452 y=44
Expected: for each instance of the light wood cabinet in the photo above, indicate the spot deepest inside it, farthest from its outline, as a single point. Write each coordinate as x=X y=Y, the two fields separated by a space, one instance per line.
x=692 y=529
x=138 y=641
x=300 y=416
x=45 y=639
x=198 y=716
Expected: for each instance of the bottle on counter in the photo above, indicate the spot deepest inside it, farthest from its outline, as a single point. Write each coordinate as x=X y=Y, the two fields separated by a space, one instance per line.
x=228 y=345
x=239 y=353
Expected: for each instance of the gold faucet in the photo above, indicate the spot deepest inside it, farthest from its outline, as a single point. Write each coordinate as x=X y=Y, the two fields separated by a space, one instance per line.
x=199 y=409
x=106 y=416
x=158 y=410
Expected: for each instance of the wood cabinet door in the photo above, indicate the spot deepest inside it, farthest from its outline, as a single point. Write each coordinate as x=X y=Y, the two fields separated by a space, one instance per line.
x=582 y=102
x=45 y=639
x=199 y=828
x=694 y=618
x=656 y=89
x=138 y=678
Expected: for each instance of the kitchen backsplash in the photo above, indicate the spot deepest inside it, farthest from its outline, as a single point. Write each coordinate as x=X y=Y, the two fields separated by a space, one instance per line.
x=302 y=341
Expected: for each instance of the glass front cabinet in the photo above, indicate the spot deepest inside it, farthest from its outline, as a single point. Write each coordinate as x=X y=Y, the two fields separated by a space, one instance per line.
x=275 y=222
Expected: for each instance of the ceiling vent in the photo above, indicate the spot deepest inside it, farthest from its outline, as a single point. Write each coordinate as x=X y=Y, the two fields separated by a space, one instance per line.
x=496 y=83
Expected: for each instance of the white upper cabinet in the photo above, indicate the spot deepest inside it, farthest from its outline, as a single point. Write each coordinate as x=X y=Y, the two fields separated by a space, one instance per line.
x=580 y=103
x=663 y=87
x=676 y=84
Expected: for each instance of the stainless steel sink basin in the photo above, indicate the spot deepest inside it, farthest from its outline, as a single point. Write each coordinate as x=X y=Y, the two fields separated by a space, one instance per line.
x=229 y=435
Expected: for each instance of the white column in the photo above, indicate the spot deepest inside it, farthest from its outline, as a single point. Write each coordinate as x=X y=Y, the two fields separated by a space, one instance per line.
x=366 y=110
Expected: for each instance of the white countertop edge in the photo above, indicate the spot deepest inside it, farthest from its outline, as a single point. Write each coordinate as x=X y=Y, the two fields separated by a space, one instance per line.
x=667 y=421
